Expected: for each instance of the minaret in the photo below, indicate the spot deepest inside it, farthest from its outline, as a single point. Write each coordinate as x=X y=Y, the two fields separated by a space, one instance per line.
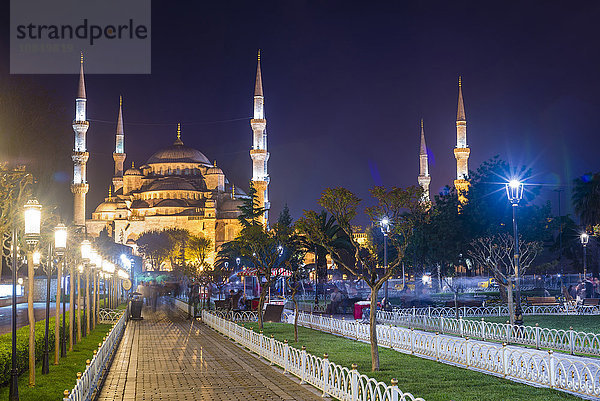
x=462 y=151
x=80 y=187
x=119 y=154
x=424 y=179
x=259 y=153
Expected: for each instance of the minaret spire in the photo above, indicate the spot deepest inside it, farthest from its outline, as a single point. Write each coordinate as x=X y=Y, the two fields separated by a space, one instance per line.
x=462 y=151
x=81 y=91
x=424 y=179
x=119 y=153
x=259 y=153
x=79 y=186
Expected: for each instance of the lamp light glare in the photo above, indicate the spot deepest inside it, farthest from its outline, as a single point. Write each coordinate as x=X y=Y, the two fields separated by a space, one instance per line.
x=33 y=218
x=37 y=258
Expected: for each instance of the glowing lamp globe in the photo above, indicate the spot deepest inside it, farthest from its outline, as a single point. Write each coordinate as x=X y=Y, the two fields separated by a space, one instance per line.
x=86 y=250
x=60 y=239
x=514 y=191
x=33 y=219
x=584 y=238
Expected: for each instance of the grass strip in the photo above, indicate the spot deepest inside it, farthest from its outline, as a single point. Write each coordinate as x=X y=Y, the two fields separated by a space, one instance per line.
x=62 y=376
x=424 y=378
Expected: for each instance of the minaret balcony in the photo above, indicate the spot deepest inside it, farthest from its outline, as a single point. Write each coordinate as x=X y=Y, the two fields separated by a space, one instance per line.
x=462 y=152
x=258 y=124
x=80 y=188
x=86 y=123
x=80 y=157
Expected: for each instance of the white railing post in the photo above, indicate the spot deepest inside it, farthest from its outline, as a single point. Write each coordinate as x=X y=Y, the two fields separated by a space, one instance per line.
x=537 y=336
x=354 y=383
x=286 y=356
x=394 y=390
x=442 y=324
x=412 y=341
x=467 y=351
x=460 y=323
x=272 y=350
x=325 y=372
x=437 y=345
x=504 y=360
x=571 y=340
x=429 y=311
x=303 y=368
x=508 y=330
x=66 y=395
x=483 y=329
x=552 y=368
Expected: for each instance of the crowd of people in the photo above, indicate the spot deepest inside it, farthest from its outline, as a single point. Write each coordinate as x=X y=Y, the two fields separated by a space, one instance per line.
x=588 y=288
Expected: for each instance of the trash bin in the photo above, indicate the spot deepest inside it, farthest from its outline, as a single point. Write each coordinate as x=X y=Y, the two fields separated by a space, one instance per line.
x=136 y=306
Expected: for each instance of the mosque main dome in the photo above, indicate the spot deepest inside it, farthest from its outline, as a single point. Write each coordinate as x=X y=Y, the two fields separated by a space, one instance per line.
x=178 y=153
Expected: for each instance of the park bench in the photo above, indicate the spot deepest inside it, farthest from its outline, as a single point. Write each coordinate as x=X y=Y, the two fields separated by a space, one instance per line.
x=591 y=302
x=221 y=304
x=541 y=301
x=273 y=313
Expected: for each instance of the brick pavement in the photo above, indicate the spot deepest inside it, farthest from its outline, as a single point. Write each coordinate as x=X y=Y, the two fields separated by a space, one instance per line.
x=165 y=357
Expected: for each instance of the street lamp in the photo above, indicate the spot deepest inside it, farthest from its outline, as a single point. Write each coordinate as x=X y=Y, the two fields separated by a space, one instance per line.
x=385 y=229
x=584 y=241
x=60 y=247
x=514 y=192
x=33 y=221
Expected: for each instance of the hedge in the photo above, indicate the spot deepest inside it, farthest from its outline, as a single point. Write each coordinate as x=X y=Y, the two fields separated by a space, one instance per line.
x=23 y=347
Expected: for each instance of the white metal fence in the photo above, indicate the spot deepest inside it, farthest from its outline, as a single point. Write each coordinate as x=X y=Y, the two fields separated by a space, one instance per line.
x=502 y=310
x=109 y=315
x=546 y=369
x=88 y=382
x=332 y=379
x=539 y=337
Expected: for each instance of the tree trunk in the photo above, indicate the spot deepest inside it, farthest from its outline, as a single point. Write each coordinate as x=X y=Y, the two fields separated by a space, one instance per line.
x=57 y=313
x=261 y=302
x=294 y=291
x=373 y=331
x=511 y=306
x=456 y=303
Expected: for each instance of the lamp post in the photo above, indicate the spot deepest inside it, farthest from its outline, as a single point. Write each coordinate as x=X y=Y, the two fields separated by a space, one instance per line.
x=94 y=266
x=33 y=218
x=514 y=192
x=385 y=229
x=86 y=253
x=60 y=247
x=46 y=355
x=584 y=241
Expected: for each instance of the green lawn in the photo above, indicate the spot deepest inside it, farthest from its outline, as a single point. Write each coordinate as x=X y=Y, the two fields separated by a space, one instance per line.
x=62 y=376
x=589 y=324
x=422 y=377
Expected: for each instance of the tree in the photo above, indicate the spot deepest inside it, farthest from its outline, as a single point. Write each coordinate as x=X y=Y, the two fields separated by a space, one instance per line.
x=399 y=205
x=497 y=253
x=155 y=246
x=250 y=209
x=586 y=199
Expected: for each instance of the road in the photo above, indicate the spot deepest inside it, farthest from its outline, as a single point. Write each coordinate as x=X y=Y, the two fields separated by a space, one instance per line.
x=22 y=319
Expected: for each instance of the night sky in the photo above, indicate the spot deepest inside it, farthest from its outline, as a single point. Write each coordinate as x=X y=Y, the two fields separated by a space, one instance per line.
x=346 y=84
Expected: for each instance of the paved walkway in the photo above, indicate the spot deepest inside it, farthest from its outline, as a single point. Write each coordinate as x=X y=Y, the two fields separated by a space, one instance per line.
x=165 y=357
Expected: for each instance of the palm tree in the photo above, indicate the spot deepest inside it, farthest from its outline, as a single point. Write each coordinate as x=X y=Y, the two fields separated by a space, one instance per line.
x=330 y=229
x=586 y=198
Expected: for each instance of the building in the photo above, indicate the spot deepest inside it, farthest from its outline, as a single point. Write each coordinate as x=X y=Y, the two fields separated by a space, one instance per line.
x=462 y=151
x=177 y=187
